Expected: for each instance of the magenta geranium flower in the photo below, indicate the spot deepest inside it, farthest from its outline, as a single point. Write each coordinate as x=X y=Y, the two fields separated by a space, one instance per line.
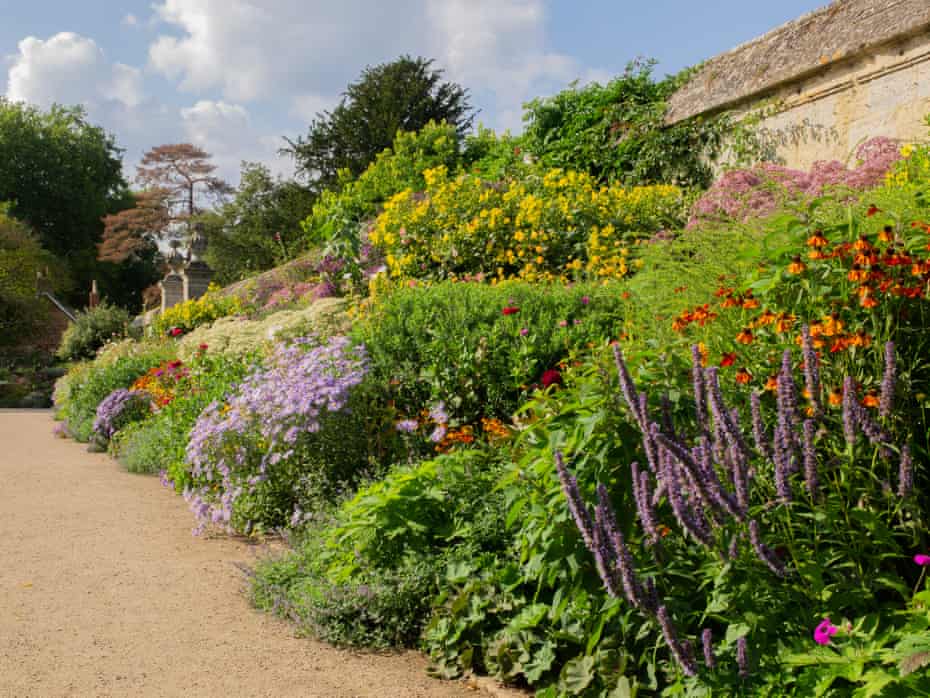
x=922 y=560
x=824 y=631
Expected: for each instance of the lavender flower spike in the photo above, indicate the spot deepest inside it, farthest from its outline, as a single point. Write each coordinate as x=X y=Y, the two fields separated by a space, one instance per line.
x=886 y=401
x=680 y=653
x=576 y=504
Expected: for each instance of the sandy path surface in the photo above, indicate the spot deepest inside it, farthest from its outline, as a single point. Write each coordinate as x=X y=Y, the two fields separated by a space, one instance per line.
x=104 y=592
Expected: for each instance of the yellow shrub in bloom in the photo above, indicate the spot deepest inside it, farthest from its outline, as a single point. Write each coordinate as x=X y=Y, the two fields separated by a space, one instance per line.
x=914 y=168
x=559 y=225
x=193 y=313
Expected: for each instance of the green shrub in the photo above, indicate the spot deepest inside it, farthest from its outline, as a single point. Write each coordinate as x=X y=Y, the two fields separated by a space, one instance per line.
x=93 y=328
x=368 y=577
x=386 y=610
x=454 y=342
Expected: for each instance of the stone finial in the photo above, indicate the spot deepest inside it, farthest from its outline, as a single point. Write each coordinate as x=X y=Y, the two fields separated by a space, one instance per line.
x=198 y=244
x=94 y=300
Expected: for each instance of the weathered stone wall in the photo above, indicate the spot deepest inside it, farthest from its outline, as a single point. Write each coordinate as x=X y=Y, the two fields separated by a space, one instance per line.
x=826 y=81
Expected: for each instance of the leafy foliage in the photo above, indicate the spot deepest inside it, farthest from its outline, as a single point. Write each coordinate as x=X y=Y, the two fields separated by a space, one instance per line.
x=478 y=348
x=616 y=132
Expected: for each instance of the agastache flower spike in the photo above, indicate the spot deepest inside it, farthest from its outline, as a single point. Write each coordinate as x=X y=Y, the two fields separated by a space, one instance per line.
x=810 y=458
x=811 y=370
x=905 y=473
x=758 y=430
x=782 y=460
x=607 y=523
x=680 y=653
x=764 y=553
x=646 y=510
x=742 y=657
x=849 y=410
x=886 y=402
x=604 y=558
x=681 y=510
x=628 y=388
x=707 y=640
x=697 y=378
x=731 y=427
x=576 y=505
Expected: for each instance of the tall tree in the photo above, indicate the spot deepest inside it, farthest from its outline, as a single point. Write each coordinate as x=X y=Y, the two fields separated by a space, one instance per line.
x=62 y=175
x=403 y=95
x=178 y=180
x=259 y=227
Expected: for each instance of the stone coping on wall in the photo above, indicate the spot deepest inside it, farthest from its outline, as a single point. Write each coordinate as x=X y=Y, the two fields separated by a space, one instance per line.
x=800 y=48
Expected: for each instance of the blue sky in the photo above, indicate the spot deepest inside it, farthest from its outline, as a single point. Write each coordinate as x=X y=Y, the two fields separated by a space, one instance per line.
x=236 y=76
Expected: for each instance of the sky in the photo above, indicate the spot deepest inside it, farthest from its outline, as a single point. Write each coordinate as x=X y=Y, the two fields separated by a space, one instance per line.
x=236 y=77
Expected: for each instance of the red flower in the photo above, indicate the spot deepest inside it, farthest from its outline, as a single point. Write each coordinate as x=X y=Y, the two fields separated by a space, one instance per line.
x=175 y=332
x=873 y=209
x=203 y=347
x=551 y=377
x=510 y=310
x=728 y=359
x=174 y=364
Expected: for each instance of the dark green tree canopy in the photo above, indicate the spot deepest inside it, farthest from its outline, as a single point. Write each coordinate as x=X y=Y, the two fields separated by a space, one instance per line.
x=62 y=174
x=403 y=95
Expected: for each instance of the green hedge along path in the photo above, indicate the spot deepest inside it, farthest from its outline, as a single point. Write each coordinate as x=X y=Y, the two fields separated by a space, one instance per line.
x=104 y=591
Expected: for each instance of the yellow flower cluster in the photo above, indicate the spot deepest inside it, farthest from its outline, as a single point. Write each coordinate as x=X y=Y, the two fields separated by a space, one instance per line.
x=193 y=313
x=914 y=168
x=561 y=225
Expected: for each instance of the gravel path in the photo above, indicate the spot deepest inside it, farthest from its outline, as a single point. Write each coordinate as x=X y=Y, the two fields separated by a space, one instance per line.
x=104 y=592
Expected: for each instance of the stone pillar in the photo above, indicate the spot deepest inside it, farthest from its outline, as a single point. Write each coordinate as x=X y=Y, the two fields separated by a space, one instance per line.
x=172 y=290
x=197 y=276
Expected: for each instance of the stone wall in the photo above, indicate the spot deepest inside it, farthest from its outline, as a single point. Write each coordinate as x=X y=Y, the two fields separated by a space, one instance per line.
x=825 y=82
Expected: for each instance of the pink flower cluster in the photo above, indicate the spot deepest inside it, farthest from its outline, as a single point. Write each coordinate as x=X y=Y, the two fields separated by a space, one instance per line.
x=758 y=191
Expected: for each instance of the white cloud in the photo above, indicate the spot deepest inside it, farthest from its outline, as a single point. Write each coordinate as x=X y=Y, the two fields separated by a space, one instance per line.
x=226 y=132
x=71 y=69
x=307 y=51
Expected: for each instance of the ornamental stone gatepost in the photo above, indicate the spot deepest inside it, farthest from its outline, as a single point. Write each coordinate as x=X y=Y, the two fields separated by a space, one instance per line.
x=197 y=275
x=172 y=286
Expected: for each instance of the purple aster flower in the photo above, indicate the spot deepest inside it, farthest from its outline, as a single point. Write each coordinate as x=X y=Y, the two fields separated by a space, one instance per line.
x=407 y=426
